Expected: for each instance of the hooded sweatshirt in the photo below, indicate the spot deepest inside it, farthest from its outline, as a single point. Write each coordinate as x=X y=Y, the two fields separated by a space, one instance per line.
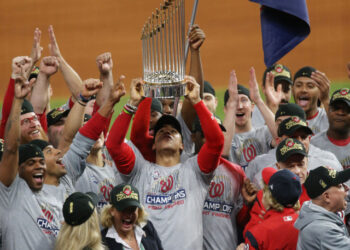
x=320 y=229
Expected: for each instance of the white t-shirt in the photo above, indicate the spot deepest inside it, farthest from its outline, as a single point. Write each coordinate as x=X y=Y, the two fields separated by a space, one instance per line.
x=318 y=123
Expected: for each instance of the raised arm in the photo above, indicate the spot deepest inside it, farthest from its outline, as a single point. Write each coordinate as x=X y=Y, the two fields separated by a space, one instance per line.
x=273 y=97
x=105 y=65
x=140 y=130
x=209 y=155
x=70 y=76
x=75 y=118
x=40 y=93
x=19 y=64
x=230 y=114
x=323 y=84
x=122 y=153
x=269 y=117
x=9 y=162
x=36 y=50
x=196 y=39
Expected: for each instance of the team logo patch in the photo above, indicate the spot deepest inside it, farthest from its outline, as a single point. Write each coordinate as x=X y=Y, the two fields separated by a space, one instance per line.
x=278 y=68
x=127 y=190
x=344 y=92
x=287 y=218
x=290 y=143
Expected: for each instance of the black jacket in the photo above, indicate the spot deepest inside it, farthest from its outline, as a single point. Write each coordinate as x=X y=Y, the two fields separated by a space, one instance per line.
x=150 y=242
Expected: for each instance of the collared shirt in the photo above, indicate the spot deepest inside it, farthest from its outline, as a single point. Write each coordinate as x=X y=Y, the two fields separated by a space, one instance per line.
x=112 y=233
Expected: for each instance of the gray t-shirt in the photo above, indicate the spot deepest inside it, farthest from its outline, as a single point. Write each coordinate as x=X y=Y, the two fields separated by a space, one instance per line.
x=29 y=220
x=316 y=157
x=246 y=146
x=319 y=123
x=173 y=198
x=99 y=180
x=220 y=209
x=342 y=152
x=257 y=118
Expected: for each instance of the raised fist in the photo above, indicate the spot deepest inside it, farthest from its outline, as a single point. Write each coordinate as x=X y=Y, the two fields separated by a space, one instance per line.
x=104 y=62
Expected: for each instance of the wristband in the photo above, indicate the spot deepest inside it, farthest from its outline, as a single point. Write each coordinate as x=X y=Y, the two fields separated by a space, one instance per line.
x=83 y=99
x=128 y=111
x=82 y=103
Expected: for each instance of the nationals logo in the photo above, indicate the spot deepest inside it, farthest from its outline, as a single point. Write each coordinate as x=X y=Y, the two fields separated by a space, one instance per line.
x=216 y=189
x=105 y=190
x=249 y=153
x=167 y=185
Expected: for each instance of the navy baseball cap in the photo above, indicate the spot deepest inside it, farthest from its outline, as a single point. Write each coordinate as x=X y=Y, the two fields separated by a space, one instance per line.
x=167 y=120
x=124 y=196
x=285 y=187
x=290 y=109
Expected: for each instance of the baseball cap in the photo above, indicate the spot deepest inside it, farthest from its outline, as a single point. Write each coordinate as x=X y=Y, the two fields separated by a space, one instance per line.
x=26 y=107
x=124 y=196
x=322 y=178
x=167 y=120
x=55 y=115
x=27 y=151
x=304 y=71
x=289 y=147
x=40 y=143
x=156 y=105
x=208 y=88
x=341 y=95
x=78 y=208
x=292 y=124
x=290 y=109
x=241 y=90
x=196 y=126
x=280 y=72
x=285 y=187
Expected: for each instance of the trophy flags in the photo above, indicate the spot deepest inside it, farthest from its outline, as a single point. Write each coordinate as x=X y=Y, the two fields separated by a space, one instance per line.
x=284 y=24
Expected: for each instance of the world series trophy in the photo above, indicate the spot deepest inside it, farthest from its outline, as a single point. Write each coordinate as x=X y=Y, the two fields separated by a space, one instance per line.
x=163 y=51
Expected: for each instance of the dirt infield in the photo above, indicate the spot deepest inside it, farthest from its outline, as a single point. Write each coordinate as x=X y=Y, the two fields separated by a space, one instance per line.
x=87 y=28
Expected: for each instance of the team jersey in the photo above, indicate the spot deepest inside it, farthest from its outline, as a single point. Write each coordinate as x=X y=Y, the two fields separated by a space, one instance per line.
x=319 y=122
x=29 y=220
x=221 y=206
x=341 y=149
x=173 y=198
x=246 y=146
x=257 y=118
x=316 y=157
x=99 y=180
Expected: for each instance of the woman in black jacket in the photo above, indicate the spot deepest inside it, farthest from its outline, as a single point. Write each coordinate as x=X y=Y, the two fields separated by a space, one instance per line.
x=125 y=224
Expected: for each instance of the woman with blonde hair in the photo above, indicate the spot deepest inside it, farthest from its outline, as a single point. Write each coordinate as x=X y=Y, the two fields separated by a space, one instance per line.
x=81 y=230
x=125 y=224
x=281 y=200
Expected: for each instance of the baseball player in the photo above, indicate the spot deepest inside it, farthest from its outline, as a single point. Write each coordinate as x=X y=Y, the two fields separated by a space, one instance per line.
x=309 y=86
x=172 y=192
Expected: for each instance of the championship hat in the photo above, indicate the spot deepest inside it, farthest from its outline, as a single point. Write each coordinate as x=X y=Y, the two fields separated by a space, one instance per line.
x=322 y=178
x=40 y=143
x=124 y=196
x=55 y=115
x=27 y=151
x=167 y=120
x=290 y=109
x=341 y=95
x=289 y=147
x=304 y=71
x=292 y=124
x=78 y=208
x=26 y=107
x=280 y=72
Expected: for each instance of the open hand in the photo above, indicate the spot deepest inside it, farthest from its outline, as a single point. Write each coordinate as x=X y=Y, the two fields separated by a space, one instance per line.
x=36 y=49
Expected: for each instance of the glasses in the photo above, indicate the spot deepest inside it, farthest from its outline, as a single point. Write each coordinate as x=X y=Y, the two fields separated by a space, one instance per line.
x=28 y=120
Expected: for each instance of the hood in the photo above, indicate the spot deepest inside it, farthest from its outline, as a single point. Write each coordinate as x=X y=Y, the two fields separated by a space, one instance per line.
x=311 y=212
